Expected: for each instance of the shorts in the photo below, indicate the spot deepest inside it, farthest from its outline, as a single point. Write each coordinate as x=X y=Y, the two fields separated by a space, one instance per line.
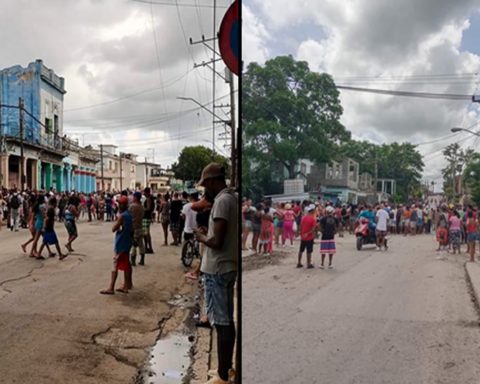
x=137 y=242
x=381 y=234
x=393 y=223
x=71 y=228
x=298 y=220
x=308 y=245
x=247 y=224
x=50 y=238
x=175 y=226
x=280 y=224
x=472 y=237
x=146 y=226
x=327 y=247
x=420 y=222
x=257 y=228
x=219 y=293
x=406 y=223
x=121 y=262
x=413 y=224
x=188 y=236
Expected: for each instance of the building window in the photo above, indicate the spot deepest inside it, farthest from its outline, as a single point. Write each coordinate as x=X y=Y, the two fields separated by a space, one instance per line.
x=56 y=124
x=110 y=165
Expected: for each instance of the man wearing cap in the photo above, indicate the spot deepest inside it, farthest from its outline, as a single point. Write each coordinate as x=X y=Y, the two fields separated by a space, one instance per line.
x=123 y=244
x=220 y=264
x=308 y=226
x=138 y=212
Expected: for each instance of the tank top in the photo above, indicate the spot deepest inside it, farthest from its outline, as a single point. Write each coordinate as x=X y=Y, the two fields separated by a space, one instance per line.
x=69 y=215
x=122 y=238
x=471 y=228
x=39 y=218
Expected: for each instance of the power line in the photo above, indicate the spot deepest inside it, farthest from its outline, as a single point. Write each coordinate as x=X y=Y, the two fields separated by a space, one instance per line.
x=409 y=94
x=179 y=4
x=127 y=97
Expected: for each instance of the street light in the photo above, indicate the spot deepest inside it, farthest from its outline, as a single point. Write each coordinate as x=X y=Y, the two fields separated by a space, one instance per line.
x=455 y=130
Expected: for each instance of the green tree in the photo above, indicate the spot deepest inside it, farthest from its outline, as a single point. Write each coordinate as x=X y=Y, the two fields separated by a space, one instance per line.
x=192 y=160
x=455 y=155
x=471 y=177
x=290 y=113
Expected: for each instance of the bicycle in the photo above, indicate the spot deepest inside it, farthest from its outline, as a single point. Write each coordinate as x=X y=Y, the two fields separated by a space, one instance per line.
x=190 y=250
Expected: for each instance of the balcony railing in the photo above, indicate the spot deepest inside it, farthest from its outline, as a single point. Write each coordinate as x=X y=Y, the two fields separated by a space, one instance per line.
x=34 y=136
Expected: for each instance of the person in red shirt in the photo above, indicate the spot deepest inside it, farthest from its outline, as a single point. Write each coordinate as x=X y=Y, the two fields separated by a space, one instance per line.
x=308 y=226
x=297 y=210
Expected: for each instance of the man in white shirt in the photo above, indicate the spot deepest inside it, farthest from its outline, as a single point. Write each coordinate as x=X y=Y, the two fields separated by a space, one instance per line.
x=382 y=221
x=190 y=217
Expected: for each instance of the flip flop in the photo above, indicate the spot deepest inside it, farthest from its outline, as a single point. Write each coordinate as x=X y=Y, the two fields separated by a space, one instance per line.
x=24 y=247
x=107 y=292
x=191 y=276
x=63 y=257
x=39 y=258
x=122 y=290
x=52 y=255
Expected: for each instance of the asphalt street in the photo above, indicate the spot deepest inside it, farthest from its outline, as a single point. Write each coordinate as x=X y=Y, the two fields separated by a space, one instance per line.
x=400 y=316
x=55 y=327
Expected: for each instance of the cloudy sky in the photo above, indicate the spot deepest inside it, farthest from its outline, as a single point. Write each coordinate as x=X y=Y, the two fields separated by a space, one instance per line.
x=419 y=46
x=119 y=91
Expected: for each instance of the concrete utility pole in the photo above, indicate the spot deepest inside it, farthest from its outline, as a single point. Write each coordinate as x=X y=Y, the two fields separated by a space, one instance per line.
x=375 y=194
x=146 y=173
x=233 y=127
x=1 y=142
x=121 y=173
x=101 y=159
x=22 y=157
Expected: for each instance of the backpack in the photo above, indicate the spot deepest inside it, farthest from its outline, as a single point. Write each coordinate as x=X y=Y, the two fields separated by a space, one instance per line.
x=15 y=204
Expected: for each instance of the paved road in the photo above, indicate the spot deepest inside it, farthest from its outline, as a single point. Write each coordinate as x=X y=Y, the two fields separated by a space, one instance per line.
x=400 y=316
x=51 y=311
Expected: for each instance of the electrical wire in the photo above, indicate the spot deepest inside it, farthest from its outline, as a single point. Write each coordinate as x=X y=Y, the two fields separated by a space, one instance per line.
x=179 y=4
x=127 y=97
x=408 y=94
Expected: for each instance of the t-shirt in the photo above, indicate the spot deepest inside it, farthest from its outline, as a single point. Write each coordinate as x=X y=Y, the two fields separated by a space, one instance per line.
x=370 y=215
x=51 y=220
x=288 y=215
x=455 y=223
x=382 y=218
x=420 y=214
x=329 y=225
x=138 y=213
x=149 y=210
x=190 y=218
x=297 y=209
x=223 y=260
x=175 y=209
x=308 y=223
x=414 y=215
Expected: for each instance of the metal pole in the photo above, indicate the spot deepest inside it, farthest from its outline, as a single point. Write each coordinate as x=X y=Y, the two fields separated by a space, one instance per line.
x=233 y=125
x=214 y=76
x=101 y=157
x=22 y=170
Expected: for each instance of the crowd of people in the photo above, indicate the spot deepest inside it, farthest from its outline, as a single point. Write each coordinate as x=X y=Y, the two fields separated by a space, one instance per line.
x=278 y=224
x=211 y=219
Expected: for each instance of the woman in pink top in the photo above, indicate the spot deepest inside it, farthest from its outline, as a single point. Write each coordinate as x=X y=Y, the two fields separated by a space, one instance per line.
x=455 y=231
x=288 y=218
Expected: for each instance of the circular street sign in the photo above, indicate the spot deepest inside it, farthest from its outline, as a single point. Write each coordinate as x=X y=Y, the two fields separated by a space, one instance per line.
x=229 y=38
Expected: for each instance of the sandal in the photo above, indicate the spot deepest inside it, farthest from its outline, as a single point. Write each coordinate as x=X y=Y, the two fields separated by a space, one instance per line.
x=191 y=276
x=107 y=292
x=299 y=265
x=202 y=324
x=121 y=290
x=310 y=266
x=39 y=257
x=63 y=257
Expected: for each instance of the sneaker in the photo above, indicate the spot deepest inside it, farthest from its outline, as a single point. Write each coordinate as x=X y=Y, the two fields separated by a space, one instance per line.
x=330 y=267
x=378 y=248
x=299 y=265
x=310 y=266
x=321 y=266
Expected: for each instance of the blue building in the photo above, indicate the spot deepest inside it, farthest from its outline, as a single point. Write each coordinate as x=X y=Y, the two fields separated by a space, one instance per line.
x=42 y=92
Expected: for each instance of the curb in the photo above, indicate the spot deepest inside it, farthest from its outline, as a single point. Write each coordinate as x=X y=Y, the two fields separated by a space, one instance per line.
x=472 y=271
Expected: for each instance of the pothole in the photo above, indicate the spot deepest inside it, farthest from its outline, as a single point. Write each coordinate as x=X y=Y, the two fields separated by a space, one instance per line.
x=170 y=360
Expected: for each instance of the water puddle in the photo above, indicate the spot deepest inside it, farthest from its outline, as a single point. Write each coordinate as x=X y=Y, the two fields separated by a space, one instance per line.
x=169 y=360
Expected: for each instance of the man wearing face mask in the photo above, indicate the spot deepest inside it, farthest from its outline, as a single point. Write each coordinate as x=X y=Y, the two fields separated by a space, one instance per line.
x=220 y=264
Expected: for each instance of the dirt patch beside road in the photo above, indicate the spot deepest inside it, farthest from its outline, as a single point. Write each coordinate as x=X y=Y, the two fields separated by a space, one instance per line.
x=254 y=262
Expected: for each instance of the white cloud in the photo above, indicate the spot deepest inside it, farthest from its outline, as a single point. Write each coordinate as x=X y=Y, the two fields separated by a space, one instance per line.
x=254 y=38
